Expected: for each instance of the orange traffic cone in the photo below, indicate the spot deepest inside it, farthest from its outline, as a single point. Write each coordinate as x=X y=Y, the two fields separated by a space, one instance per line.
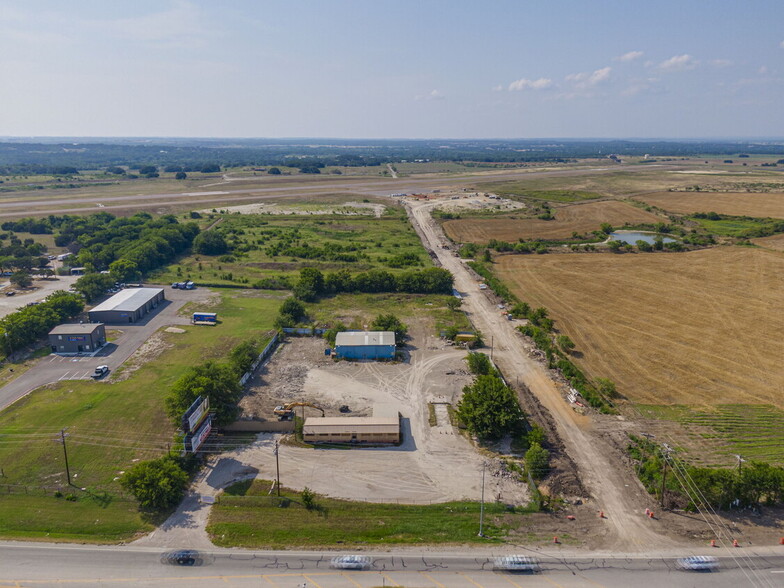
x=781 y=541
x=601 y=514
x=713 y=543
x=735 y=543
x=555 y=540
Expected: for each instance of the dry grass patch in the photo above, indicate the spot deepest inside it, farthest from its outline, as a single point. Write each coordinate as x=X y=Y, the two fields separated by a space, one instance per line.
x=759 y=205
x=773 y=242
x=698 y=328
x=580 y=218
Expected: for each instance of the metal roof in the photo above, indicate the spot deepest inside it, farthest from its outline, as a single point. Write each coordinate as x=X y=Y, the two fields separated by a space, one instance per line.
x=360 y=338
x=129 y=300
x=351 y=425
x=75 y=328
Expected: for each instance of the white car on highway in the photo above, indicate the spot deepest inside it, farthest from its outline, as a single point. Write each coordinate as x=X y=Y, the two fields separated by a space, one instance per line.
x=697 y=563
x=351 y=562
x=516 y=563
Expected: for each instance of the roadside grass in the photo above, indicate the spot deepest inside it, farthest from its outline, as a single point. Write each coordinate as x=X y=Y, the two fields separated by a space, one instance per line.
x=86 y=520
x=110 y=424
x=246 y=516
x=261 y=239
x=522 y=190
x=754 y=431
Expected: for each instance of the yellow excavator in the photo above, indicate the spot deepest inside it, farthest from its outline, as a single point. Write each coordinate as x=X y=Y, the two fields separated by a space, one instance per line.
x=285 y=412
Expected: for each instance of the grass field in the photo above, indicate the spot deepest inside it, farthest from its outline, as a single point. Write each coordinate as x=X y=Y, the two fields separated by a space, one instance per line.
x=247 y=517
x=754 y=431
x=522 y=189
x=579 y=218
x=698 y=328
x=270 y=245
x=733 y=227
x=759 y=205
x=110 y=425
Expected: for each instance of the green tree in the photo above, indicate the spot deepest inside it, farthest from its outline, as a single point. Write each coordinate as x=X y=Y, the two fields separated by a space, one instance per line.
x=157 y=484
x=124 y=270
x=454 y=303
x=293 y=308
x=210 y=243
x=537 y=461
x=486 y=256
x=479 y=364
x=180 y=175
x=310 y=284
x=274 y=171
x=94 y=285
x=389 y=322
x=644 y=245
x=21 y=279
x=489 y=409
x=606 y=388
x=565 y=343
x=614 y=246
x=216 y=381
x=606 y=228
x=243 y=355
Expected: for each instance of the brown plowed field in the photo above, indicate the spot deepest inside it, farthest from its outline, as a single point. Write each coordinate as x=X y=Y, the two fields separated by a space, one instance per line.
x=582 y=218
x=702 y=327
x=733 y=203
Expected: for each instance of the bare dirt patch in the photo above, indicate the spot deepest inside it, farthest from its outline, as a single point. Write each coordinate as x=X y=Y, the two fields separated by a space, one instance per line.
x=667 y=328
x=347 y=208
x=733 y=203
x=432 y=464
x=148 y=351
x=580 y=218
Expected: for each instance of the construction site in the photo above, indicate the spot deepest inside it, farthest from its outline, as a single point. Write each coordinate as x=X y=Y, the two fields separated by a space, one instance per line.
x=426 y=464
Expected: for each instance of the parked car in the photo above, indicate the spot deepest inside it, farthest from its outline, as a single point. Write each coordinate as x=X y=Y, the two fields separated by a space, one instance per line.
x=176 y=285
x=351 y=562
x=10 y=293
x=100 y=371
x=698 y=563
x=182 y=557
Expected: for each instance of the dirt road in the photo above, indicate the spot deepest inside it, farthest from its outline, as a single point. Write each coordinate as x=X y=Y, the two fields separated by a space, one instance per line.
x=613 y=489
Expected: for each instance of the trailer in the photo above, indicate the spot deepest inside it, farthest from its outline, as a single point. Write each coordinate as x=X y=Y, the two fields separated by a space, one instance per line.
x=204 y=318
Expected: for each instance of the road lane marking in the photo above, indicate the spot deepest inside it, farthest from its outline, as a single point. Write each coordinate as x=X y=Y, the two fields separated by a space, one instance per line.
x=429 y=577
x=309 y=579
x=470 y=580
x=350 y=579
x=509 y=580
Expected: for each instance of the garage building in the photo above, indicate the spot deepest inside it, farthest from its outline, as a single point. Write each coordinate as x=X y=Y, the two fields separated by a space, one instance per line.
x=127 y=306
x=382 y=427
x=81 y=338
x=365 y=345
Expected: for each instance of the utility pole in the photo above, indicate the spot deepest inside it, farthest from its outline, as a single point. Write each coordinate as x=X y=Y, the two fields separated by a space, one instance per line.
x=740 y=464
x=482 y=504
x=277 y=468
x=491 y=347
x=666 y=456
x=65 y=453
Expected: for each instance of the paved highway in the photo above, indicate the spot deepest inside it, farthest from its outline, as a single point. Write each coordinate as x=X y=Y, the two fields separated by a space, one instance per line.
x=30 y=564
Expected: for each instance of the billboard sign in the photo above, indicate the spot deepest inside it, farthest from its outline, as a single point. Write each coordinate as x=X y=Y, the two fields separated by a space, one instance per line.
x=195 y=414
x=194 y=441
x=75 y=338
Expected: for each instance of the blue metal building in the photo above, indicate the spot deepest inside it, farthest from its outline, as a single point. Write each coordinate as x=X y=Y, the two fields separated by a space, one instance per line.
x=365 y=345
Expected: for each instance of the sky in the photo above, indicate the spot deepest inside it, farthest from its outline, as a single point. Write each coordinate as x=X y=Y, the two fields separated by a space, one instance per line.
x=392 y=69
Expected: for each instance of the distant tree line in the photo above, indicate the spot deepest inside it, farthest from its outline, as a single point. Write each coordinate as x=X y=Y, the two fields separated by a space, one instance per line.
x=313 y=284
x=28 y=324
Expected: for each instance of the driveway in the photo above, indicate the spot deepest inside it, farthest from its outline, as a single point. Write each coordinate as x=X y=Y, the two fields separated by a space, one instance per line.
x=54 y=368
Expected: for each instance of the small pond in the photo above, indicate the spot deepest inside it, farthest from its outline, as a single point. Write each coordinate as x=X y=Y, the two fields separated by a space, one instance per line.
x=632 y=237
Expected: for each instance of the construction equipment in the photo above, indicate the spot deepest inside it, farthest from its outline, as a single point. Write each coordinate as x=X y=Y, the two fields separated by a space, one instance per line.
x=285 y=412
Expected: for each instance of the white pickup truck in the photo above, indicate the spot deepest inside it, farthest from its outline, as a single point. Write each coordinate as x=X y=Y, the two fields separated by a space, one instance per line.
x=100 y=372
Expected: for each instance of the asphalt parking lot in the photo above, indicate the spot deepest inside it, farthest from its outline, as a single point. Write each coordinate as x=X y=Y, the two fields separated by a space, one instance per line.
x=55 y=368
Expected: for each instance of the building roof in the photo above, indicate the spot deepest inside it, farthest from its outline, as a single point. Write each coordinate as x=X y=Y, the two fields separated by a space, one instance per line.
x=75 y=329
x=351 y=425
x=129 y=300
x=360 y=338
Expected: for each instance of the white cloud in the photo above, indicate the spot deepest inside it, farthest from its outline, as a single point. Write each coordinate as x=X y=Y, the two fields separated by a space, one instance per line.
x=678 y=63
x=498 y=88
x=526 y=84
x=630 y=56
x=781 y=44
x=432 y=95
x=722 y=62
x=762 y=70
x=585 y=80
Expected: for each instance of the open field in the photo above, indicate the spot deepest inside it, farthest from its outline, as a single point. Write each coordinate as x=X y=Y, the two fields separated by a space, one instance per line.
x=773 y=242
x=580 y=218
x=247 y=516
x=697 y=328
x=110 y=425
x=714 y=435
x=759 y=205
x=269 y=245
